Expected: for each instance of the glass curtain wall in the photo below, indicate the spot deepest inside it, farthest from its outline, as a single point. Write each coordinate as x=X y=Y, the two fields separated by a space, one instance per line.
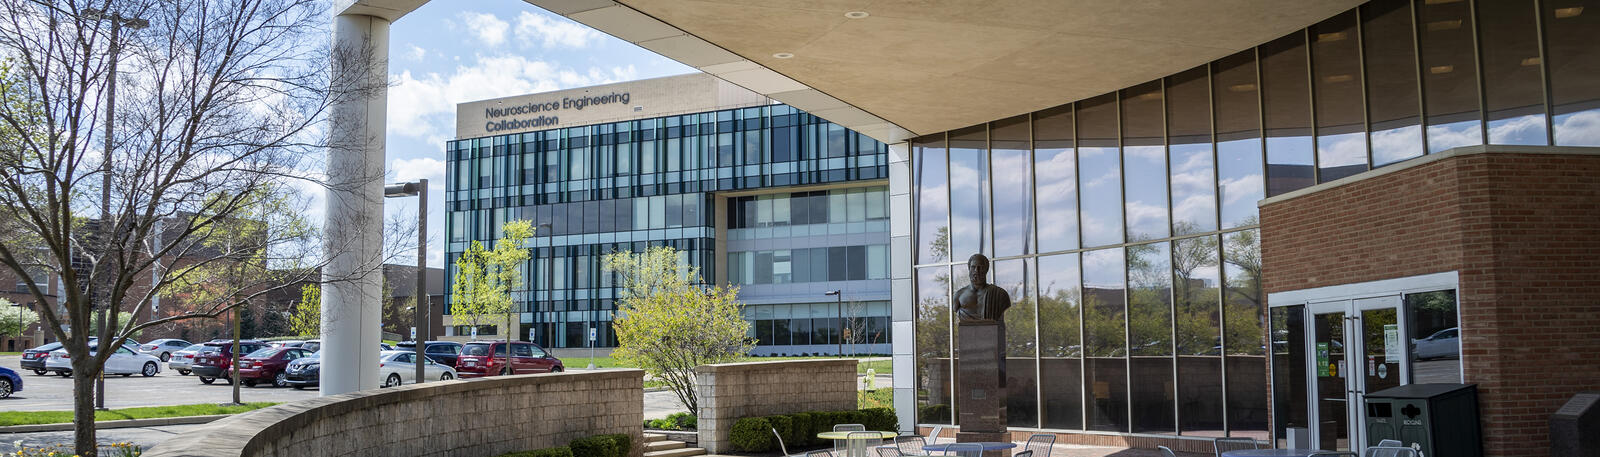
x=1142 y=202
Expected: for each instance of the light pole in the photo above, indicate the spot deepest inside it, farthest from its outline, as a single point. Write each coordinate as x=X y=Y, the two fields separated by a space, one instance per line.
x=420 y=317
x=840 y=296
x=117 y=23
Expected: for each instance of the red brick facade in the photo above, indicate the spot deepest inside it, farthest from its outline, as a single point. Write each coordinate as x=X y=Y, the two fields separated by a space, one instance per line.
x=1523 y=231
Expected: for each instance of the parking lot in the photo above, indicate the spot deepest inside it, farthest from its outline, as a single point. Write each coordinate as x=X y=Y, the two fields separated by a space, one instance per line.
x=51 y=392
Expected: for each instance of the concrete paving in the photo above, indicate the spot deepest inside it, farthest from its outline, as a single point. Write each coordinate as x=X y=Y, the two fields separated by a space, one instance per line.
x=54 y=393
x=144 y=437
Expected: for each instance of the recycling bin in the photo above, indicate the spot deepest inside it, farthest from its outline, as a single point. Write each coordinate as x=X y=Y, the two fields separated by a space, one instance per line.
x=1437 y=419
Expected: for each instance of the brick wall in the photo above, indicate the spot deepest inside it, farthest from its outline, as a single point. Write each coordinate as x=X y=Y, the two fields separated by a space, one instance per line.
x=478 y=418
x=1520 y=225
x=732 y=391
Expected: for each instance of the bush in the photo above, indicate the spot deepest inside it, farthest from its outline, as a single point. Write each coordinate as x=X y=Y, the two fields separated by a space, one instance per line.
x=684 y=421
x=751 y=434
x=804 y=433
x=613 y=445
x=880 y=419
x=558 y=451
x=937 y=414
x=784 y=425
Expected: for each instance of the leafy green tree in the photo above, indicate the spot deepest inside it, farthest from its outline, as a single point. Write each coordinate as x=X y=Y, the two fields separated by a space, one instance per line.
x=306 y=320
x=485 y=278
x=15 y=319
x=668 y=324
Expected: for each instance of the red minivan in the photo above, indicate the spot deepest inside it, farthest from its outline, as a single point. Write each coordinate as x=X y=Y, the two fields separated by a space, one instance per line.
x=526 y=358
x=267 y=365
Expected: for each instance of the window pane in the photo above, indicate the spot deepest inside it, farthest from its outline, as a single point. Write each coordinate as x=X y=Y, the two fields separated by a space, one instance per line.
x=1391 y=67
x=1435 y=337
x=1055 y=166
x=1022 y=403
x=1245 y=337
x=969 y=178
x=1449 y=74
x=1194 y=205
x=1341 y=134
x=1286 y=99
x=1512 y=84
x=1288 y=372
x=1106 y=387
x=1150 y=337
x=1196 y=289
x=933 y=202
x=1144 y=162
x=1101 y=178
x=1238 y=114
x=1060 y=356
x=1574 y=63
x=933 y=346
x=1013 y=207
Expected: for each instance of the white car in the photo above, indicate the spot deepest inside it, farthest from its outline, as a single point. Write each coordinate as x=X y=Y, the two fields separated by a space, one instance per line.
x=124 y=362
x=163 y=348
x=1444 y=344
x=396 y=368
x=182 y=359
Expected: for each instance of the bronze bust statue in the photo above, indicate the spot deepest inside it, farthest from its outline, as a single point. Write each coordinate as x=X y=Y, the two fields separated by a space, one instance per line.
x=981 y=302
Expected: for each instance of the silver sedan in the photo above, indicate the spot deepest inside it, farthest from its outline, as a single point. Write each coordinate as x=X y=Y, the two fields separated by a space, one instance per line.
x=182 y=359
x=397 y=367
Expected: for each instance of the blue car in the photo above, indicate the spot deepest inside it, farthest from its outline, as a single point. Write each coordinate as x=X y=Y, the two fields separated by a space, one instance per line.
x=9 y=382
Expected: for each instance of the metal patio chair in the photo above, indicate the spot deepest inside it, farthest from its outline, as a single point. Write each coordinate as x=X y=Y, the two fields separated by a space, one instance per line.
x=1039 y=445
x=781 y=447
x=820 y=453
x=964 y=450
x=1390 y=451
x=904 y=446
x=839 y=445
x=1390 y=443
x=1222 y=445
x=860 y=442
x=1165 y=452
x=933 y=435
x=1334 y=454
x=1023 y=454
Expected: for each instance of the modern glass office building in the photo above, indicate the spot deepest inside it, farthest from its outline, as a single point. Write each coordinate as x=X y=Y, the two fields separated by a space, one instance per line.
x=781 y=203
x=1127 y=230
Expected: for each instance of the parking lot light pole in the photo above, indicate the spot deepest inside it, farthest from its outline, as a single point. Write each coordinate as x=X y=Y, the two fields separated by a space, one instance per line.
x=420 y=295
x=840 y=300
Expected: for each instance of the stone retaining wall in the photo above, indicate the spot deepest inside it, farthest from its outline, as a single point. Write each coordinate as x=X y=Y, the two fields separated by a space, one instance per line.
x=478 y=418
x=732 y=391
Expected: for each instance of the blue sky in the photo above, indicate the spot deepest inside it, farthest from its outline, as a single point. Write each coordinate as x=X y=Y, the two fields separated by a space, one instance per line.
x=454 y=51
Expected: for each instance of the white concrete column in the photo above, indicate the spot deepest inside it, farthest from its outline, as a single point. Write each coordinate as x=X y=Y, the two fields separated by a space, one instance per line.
x=351 y=297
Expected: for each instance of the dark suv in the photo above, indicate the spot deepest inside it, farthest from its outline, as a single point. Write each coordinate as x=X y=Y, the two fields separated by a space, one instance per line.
x=33 y=359
x=213 y=360
x=444 y=352
x=525 y=358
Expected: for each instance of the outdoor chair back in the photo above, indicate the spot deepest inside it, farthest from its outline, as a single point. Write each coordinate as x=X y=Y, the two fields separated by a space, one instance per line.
x=1334 y=454
x=933 y=436
x=1165 y=452
x=964 y=450
x=1390 y=443
x=1391 y=451
x=909 y=446
x=820 y=453
x=1039 y=445
x=781 y=447
x=1222 y=445
x=1023 y=454
x=839 y=445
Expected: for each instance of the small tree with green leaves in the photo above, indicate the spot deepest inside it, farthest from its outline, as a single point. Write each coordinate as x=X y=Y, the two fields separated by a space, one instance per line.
x=307 y=317
x=15 y=319
x=485 y=277
x=667 y=324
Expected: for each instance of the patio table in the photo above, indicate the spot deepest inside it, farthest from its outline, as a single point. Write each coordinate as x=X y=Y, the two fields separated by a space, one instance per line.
x=1272 y=452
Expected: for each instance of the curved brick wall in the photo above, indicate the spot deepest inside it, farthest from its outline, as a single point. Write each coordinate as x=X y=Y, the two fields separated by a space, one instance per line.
x=484 y=417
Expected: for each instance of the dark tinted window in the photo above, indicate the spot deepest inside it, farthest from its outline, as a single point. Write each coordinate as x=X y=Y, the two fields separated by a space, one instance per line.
x=522 y=350
x=476 y=349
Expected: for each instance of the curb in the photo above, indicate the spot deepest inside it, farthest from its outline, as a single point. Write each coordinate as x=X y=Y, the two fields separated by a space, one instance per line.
x=100 y=425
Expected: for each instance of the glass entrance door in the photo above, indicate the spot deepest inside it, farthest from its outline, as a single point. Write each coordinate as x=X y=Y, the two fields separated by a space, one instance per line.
x=1356 y=347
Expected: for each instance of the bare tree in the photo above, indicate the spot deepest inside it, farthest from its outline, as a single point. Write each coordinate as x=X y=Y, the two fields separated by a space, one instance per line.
x=178 y=180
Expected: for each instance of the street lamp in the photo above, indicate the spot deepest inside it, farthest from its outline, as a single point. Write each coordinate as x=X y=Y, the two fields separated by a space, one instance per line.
x=840 y=296
x=420 y=316
x=117 y=23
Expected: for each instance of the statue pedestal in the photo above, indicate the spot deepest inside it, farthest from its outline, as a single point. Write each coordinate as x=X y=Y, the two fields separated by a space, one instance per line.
x=981 y=383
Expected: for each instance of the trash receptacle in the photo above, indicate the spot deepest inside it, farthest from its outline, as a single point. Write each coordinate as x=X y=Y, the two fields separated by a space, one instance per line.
x=1437 y=419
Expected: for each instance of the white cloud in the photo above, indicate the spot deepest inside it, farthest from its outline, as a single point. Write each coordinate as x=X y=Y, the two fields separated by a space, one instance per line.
x=407 y=170
x=1578 y=129
x=423 y=106
x=552 y=32
x=415 y=52
x=485 y=27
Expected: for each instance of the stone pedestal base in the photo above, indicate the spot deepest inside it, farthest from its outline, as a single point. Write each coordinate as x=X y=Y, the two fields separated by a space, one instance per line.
x=981 y=384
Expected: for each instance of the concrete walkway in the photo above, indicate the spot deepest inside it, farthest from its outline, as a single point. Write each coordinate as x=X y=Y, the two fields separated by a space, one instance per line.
x=144 y=437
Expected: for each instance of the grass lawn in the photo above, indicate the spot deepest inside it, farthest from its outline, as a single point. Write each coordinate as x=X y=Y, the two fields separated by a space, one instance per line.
x=881 y=366
x=10 y=353
x=61 y=417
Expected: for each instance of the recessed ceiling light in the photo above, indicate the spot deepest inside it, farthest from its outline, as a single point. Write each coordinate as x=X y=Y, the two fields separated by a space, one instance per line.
x=1338 y=78
x=1242 y=87
x=784 y=55
x=1563 y=13
x=856 y=14
x=1531 y=61
x=1441 y=69
x=1436 y=26
x=1333 y=36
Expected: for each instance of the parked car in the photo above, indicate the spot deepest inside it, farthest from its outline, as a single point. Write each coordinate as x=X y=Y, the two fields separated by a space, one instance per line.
x=288 y=344
x=267 y=365
x=312 y=345
x=181 y=360
x=124 y=362
x=10 y=382
x=33 y=359
x=1441 y=344
x=445 y=352
x=525 y=358
x=163 y=348
x=399 y=367
x=304 y=372
x=213 y=360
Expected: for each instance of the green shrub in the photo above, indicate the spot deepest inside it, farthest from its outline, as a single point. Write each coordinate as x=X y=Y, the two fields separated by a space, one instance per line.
x=784 y=425
x=937 y=414
x=882 y=419
x=804 y=433
x=751 y=434
x=558 y=451
x=613 y=445
x=684 y=421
